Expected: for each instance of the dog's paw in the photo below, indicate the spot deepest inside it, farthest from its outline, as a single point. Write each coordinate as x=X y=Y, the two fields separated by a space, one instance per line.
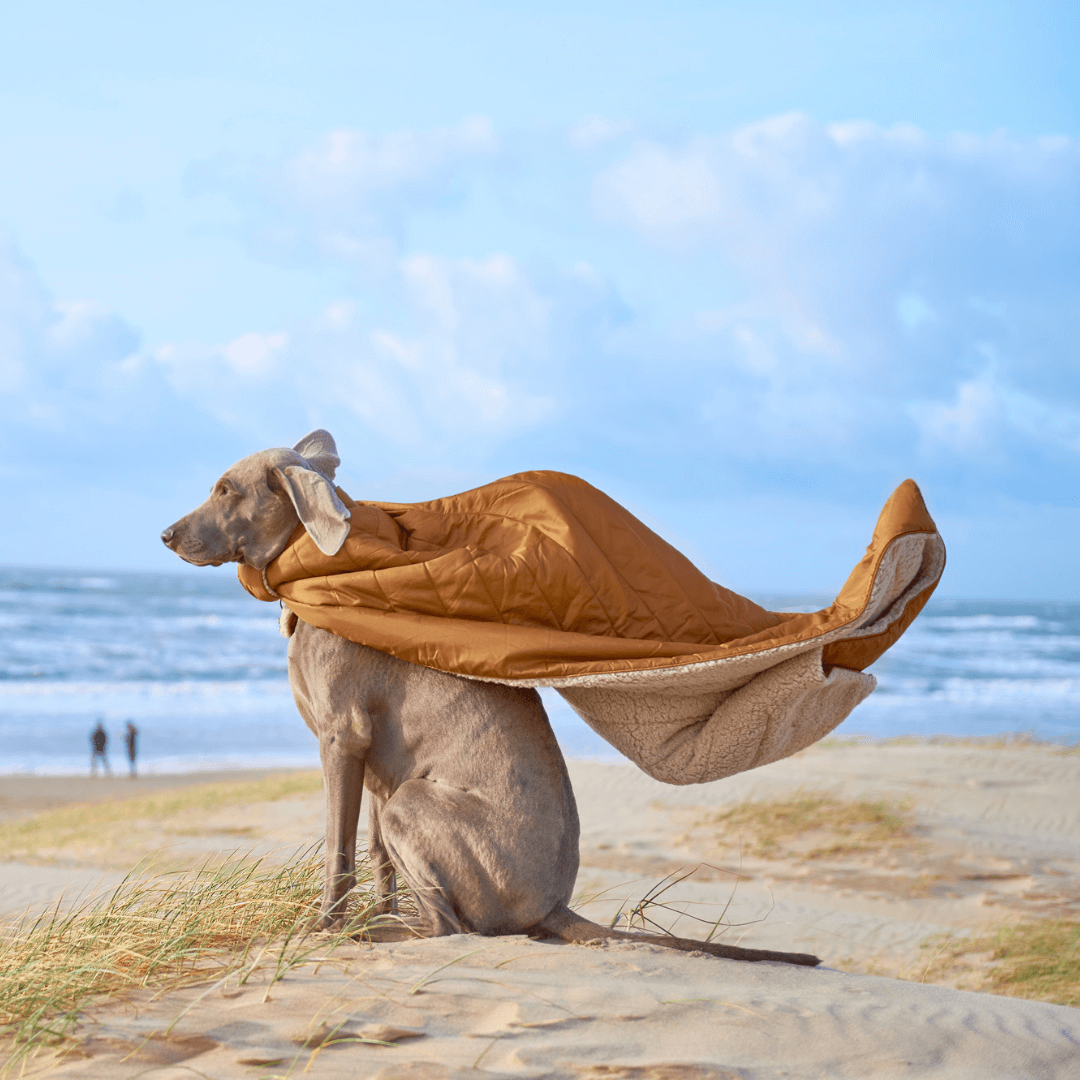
x=326 y=924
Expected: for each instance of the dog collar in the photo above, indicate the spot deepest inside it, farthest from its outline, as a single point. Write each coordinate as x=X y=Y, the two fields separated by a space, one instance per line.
x=269 y=588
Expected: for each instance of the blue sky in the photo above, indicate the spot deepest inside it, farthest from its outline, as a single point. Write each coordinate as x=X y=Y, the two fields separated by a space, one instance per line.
x=745 y=267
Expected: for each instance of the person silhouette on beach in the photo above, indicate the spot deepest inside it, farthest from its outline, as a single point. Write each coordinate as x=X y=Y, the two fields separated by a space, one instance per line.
x=129 y=741
x=99 y=742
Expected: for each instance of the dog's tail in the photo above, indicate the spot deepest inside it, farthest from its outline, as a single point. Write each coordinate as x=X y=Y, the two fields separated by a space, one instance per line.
x=566 y=925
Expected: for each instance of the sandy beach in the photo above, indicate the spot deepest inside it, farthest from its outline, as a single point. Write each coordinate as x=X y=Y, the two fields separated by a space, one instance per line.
x=882 y=859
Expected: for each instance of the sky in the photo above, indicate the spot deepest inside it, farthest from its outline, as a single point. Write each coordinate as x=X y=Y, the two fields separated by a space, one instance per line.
x=743 y=267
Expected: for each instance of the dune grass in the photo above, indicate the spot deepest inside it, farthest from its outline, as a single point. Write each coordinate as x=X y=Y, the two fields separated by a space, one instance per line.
x=1037 y=960
x=98 y=823
x=813 y=825
x=161 y=932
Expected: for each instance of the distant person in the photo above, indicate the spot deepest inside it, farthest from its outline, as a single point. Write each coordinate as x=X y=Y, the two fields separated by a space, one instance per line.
x=99 y=743
x=129 y=741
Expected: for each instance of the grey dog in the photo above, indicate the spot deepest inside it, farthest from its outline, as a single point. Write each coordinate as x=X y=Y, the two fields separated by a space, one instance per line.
x=469 y=798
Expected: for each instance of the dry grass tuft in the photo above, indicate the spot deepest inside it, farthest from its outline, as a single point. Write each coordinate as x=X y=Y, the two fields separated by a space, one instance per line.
x=812 y=825
x=1039 y=961
x=161 y=932
x=75 y=826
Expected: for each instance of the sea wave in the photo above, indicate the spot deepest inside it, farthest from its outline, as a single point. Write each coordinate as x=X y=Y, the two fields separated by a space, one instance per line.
x=981 y=690
x=987 y=622
x=200 y=669
x=33 y=688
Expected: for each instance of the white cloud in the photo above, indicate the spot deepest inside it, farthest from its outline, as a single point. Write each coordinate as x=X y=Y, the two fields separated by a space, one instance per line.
x=25 y=314
x=593 y=131
x=348 y=195
x=255 y=355
x=62 y=364
x=346 y=167
x=966 y=423
x=668 y=196
x=869 y=273
x=480 y=335
x=859 y=304
x=464 y=365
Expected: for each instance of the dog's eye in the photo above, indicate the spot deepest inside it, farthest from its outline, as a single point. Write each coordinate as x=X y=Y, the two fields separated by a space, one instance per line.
x=221 y=488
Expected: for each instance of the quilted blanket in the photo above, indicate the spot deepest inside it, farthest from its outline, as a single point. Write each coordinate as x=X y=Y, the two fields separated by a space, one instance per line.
x=540 y=579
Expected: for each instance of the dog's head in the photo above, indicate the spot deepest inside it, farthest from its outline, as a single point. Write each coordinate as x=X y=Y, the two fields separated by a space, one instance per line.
x=256 y=505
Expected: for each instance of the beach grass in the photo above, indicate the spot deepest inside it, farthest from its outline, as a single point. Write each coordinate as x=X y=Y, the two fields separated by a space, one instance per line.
x=99 y=823
x=813 y=825
x=1038 y=960
x=159 y=932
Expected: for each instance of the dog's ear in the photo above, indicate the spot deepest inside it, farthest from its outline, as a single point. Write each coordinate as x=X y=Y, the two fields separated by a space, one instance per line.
x=319 y=448
x=323 y=514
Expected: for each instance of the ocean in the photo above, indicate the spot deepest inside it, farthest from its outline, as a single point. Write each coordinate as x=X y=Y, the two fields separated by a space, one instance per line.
x=199 y=667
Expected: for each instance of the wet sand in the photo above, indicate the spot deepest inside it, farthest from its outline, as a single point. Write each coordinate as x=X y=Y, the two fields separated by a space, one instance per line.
x=23 y=794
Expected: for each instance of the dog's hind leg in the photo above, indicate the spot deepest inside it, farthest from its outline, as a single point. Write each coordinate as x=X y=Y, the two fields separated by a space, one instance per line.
x=468 y=870
x=442 y=842
x=383 y=877
x=413 y=837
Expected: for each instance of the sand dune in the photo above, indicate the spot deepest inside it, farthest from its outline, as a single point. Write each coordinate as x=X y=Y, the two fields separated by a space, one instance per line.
x=981 y=835
x=994 y=834
x=468 y=1006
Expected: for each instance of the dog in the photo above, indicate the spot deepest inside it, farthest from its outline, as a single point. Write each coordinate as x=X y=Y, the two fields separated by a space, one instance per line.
x=469 y=798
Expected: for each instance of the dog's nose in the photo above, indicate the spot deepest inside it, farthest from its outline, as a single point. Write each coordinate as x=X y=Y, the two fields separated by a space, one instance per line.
x=166 y=537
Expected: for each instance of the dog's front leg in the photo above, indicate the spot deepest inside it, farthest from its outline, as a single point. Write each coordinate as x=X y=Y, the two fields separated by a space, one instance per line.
x=343 y=778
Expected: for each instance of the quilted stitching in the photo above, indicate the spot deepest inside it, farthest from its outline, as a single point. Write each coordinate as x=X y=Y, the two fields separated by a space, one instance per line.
x=512 y=583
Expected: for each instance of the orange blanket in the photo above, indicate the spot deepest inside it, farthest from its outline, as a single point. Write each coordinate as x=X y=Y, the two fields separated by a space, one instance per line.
x=539 y=579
